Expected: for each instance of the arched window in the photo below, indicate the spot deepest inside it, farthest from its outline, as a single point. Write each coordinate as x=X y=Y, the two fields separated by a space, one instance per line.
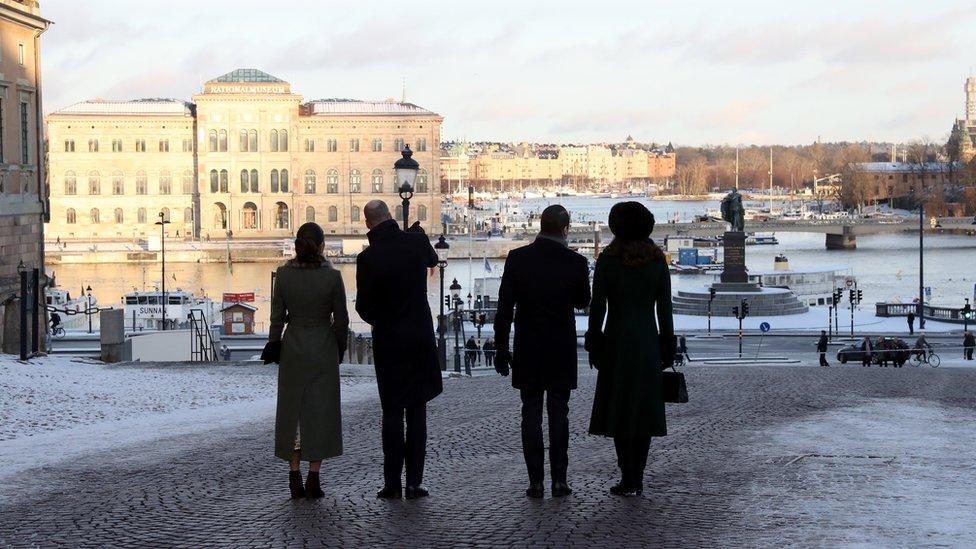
x=141 y=185
x=422 y=182
x=94 y=215
x=254 y=141
x=243 y=139
x=165 y=212
x=223 y=140
x=70 y=183
x=333 y=214
x=283 y=140
x=250 y=217
x=398 y=213
x=332 y=182
x=309 y=214
x=119 y=218
x=165 y=182
x=281 y=215
x=141 y=215
x=187 y=183
x=354 y=213
x=118 y=182
x=94 y=183
x=274 y=140
x=219 y=216
x=274 y=181
x=422 y=213
x=377 y=181
x=245 y=183
x=284 y=181
x=187 y=215
x=224 y=184
x=214 y=188
x=355 y=181
x=213 y=141
x=70 y=217
x=255 y=188
x=309 y=181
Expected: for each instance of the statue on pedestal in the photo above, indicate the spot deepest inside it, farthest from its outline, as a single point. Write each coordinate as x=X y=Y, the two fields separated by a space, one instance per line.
x=733 y=212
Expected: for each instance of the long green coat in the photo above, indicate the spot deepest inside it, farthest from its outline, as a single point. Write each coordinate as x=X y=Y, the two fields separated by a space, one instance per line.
x=311 y=300
x=628 y=401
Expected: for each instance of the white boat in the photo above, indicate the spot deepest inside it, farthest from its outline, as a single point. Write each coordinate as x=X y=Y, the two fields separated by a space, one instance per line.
x=144 y=310
x=70 y=309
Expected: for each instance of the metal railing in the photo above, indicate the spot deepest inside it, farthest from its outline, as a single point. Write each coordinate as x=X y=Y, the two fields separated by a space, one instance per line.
x=943 y=314
x=202 y=346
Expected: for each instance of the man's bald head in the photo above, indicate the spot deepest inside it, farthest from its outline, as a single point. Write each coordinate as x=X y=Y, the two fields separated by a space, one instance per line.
x=376 y=212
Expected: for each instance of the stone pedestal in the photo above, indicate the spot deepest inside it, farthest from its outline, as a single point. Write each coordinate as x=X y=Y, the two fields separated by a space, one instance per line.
x=111 y=324
x=734 y=247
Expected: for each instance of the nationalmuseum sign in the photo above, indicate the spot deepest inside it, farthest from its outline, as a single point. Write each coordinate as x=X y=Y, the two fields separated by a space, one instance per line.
x=246 y=88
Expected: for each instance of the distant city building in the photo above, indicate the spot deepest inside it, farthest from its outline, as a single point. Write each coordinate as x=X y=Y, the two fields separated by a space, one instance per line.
x=22 y=190
x=885 y=180
x=964 y=129
x=498 y=166
x=247 y=158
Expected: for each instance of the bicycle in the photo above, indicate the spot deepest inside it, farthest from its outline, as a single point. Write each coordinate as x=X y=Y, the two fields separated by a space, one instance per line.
x=58 y=331
x=931 y=358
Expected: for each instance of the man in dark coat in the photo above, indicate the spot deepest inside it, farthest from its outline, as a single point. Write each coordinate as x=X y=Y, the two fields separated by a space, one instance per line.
x=391 y=280
x=968 y=345
x=822 y=348
x=911 y=323
x=470 y=352
x=489 y=349
x=543 y=282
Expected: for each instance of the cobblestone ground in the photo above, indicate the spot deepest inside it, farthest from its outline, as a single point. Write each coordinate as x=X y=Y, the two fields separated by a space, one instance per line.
x=747 y=463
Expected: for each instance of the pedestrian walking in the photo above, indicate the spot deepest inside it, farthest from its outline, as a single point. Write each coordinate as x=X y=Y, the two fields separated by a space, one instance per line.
x=544 y=281
x=310 y=299
x=968 y=345
x=866 y=352
x=224 y=352
x=630 y=283
x=489 y=349
x=911 y=323
x=470 y=352
x=883 y=354
x=391 y=281
x=683 y=348
x=822 y=348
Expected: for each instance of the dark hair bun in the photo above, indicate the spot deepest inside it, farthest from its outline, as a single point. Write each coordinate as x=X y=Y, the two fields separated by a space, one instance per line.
x=631 y=221
x=308 y=243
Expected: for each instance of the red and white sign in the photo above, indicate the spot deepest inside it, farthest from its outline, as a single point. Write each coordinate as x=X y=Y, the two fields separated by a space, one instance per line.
x=247 y=297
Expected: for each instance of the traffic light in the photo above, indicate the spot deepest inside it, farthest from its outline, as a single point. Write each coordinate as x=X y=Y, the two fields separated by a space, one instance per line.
x=482 y=319
x=852 y=296
x=838 y=293
x=967 y=312
x=860 y=296
x=735 y=312
x=745 y=308
x=711 y=293
x=447 y=301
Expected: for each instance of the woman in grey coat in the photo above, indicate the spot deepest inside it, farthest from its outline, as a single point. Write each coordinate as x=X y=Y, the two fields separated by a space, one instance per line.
x=310 y=299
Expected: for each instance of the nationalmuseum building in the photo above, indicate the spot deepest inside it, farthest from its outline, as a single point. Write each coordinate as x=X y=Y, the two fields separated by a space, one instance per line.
x=247 y=158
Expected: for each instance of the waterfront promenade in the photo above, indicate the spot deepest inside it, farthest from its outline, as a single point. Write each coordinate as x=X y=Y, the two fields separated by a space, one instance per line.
x=761 y=456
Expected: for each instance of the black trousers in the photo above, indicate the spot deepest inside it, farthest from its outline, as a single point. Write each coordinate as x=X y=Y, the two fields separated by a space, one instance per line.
x=823 y=359
x=969 y=353
x=632 y=459
x=557 y=406
x=399 y=449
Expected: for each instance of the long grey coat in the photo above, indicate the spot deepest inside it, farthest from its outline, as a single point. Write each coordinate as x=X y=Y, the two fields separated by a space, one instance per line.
x=311 y=300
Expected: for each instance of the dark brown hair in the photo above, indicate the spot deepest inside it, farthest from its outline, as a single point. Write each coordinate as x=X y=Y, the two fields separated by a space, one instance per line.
x=553 y=220
x=308 y=244
x=632 y=224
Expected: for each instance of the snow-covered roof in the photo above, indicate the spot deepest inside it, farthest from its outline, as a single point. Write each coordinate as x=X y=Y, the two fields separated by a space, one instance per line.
x=155 y=107
x=906 y=167
x=238 y=304
x=329 y=107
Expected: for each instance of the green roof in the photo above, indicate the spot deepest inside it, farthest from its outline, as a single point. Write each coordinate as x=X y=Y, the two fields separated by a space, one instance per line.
x=247 y=75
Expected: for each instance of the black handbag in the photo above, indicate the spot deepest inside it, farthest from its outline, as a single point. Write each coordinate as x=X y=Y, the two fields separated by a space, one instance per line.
x=271 y=352
x=673 y=386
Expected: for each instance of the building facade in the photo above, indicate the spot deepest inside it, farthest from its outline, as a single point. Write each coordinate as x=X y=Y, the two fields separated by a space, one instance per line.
x=246 y=158
x=22 y=190
x=963 y=132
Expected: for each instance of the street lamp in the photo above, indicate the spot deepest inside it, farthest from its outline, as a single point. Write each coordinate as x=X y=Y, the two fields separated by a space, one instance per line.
x=921 y=258
x=456 y=302
x=88 y=296
x=405 y=170
x=441 y=248
x=162 y=242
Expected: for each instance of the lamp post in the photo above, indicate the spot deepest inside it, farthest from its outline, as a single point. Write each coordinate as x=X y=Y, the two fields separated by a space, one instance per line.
x=711 y=297
x=456 y=302
x=405 y=170
x=441 y=248
x=88 y=296
x=162 y=242
x=921 y=259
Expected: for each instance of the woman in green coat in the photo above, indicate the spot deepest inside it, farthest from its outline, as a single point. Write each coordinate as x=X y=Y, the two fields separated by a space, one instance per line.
x=310 y=299
x=631 y=282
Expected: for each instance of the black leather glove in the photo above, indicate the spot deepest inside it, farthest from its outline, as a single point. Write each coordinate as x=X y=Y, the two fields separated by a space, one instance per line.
x=342 y=341
x=593 y=343
x=503 y=362
x=416 y=228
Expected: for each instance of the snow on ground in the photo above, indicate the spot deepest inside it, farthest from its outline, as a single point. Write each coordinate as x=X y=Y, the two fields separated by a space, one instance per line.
x=56 y=408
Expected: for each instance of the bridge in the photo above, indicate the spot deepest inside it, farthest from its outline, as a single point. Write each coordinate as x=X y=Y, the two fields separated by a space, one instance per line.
x=839 y=233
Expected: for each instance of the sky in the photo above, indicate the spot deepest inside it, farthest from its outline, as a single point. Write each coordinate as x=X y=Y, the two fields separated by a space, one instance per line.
x=691 y=73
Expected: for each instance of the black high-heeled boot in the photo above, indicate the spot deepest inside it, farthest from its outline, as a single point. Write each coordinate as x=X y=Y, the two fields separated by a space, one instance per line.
x=295 y=484
x=312 y=488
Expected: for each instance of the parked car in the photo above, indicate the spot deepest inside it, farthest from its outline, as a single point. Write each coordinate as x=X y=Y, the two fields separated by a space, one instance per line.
x=886 y=349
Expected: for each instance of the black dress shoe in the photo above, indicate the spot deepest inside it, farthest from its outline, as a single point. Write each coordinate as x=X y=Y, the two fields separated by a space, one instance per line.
x=390 y=492
x=312 y=488
x=625 y=490
x=560 y=489
x=536 y=490
x=416 y=492
x=295 y=484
